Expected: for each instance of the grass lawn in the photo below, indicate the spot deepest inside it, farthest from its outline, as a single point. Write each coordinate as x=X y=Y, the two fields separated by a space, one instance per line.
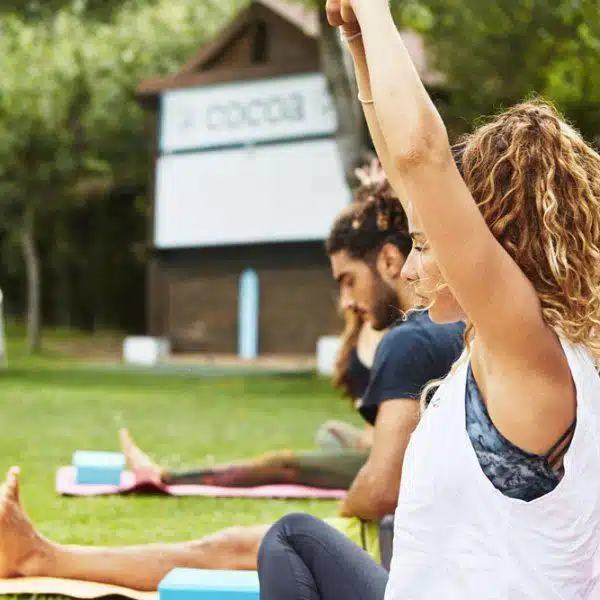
x=50 y=407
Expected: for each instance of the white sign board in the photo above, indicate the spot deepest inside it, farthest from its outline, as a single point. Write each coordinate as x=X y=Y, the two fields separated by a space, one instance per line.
x=277 y=193
x=242 y=113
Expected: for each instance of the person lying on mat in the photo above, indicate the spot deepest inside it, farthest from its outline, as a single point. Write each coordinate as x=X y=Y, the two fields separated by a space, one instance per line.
x=368 y=246
x=500 y=494
x=342 y=448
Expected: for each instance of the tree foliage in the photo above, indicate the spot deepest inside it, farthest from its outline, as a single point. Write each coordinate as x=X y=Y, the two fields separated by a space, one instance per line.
x=71 y=129
x=496 y=54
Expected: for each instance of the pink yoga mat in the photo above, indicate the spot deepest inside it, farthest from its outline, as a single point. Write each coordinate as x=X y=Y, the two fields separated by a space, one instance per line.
x=66 y=486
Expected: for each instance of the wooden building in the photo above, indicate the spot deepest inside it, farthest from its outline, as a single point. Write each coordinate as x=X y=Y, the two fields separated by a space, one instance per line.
x=247 y=176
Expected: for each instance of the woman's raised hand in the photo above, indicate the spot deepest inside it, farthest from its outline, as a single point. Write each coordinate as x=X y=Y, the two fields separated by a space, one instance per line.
x=340 y=13
x=333 y=8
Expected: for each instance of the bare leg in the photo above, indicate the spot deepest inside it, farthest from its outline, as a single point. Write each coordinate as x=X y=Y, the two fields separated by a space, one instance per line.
x=25 y=553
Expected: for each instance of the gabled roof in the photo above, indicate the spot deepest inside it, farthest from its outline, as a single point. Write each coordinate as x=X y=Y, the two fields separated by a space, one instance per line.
x=303 y=19
x=197 y=70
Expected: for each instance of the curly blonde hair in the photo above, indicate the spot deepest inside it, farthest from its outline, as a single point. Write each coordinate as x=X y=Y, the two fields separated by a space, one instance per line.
x=537 y=185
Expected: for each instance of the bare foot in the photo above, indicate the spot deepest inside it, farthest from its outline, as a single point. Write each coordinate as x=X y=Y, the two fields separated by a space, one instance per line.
x=138 y=462
x=22 y=549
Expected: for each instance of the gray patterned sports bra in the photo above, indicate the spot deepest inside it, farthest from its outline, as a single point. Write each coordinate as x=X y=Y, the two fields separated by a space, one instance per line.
x=513 y=471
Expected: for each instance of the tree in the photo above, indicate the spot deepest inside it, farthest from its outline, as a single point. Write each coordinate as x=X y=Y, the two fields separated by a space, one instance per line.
x=352 y=136
x=337 y=67
x=36 y=142
x=496 y=54
x=70 y=124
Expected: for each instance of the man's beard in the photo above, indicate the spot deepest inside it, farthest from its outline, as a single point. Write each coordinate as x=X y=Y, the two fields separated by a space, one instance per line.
x=386 y=309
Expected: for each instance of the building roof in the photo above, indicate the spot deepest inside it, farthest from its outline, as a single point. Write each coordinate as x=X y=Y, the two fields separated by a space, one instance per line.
x=299 y=15
x=196 y=70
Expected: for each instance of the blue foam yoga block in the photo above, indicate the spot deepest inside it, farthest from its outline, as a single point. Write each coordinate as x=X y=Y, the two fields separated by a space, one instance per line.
x=98 y=467
x=198 y=584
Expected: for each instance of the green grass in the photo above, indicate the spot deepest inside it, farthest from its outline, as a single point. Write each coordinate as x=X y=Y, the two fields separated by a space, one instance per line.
x=50 y=407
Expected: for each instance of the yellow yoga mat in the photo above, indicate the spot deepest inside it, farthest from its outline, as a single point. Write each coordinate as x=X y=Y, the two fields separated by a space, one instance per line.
x=83 y=590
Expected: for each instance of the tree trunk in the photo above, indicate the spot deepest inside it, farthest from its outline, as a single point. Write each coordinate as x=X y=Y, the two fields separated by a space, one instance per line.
x=340 y=76
x=32 y=268
x=97 y=260
x=61 y=275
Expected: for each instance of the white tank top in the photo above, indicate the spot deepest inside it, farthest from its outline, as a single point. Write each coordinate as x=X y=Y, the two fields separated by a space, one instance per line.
x=456 y=537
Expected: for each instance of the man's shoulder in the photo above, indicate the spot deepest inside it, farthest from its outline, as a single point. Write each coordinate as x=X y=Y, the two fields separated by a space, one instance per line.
x=410 y=355
x=418 y=329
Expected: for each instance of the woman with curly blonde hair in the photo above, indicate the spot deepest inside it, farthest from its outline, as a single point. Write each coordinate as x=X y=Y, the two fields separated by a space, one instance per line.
x=500 y=494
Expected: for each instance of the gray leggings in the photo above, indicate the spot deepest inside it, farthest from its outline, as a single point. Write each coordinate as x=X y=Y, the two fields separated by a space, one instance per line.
x=303 y=558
